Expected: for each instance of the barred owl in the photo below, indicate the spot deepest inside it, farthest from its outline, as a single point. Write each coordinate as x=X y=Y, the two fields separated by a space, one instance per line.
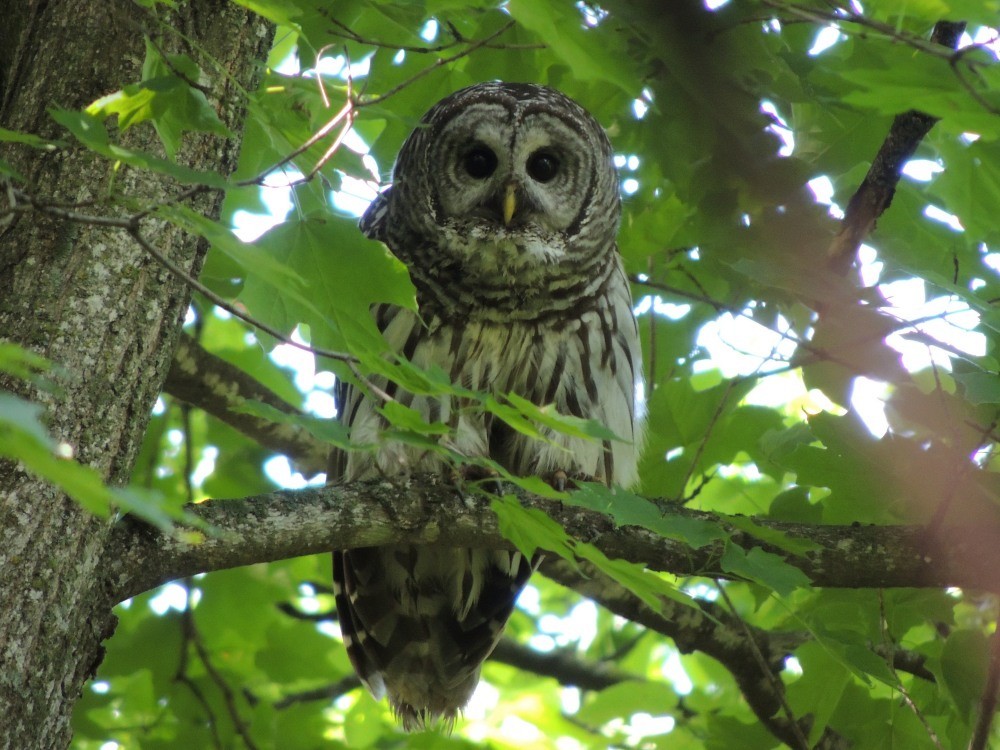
x=505 y=206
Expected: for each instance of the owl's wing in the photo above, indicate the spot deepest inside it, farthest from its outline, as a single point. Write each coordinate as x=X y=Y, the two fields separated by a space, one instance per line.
x=372 y=225
x=343 y=394
x=373 y=221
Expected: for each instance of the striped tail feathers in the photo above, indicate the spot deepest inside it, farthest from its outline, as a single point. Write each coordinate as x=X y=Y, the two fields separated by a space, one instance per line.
x=418 y=622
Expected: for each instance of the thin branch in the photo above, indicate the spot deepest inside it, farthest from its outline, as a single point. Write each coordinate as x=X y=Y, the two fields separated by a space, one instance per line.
x=132 y=225
x=703 y=443
x=566 y=667
x=187 y=637
x=345 y=112
x=457 y=38
x=25 y=203
x=988 y=700
x=236 y=312
x=240 y=724
x=208 y=382
x=684 y=294
x=323 y=693
x=177 y=71
x=876 y=192
x=890 y=645
x=841 y=15
x=714 y=633
x=439 y=63
x=777 y=688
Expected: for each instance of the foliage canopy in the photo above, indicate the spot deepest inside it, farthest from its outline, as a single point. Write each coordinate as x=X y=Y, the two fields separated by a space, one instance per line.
x=743 y=133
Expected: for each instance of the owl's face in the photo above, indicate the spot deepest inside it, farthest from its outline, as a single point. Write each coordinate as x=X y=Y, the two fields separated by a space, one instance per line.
x=507 y=170
x=502 y=177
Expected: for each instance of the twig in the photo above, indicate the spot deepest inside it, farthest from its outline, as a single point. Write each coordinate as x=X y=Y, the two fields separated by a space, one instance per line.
x=439 y=63
x=457 y=39
x=843 y=16
x=776 y=688
x=704 y=441
x=328 y=154
x=324 y=693
x=175 y=70
x=131 y=224
x=330 y=124
x=890 y=645
x=240 y=724
x=693 y=296
x=207 y=382
x=188 y=635
x=231 y=309
x=988 y=700
x=876 y=191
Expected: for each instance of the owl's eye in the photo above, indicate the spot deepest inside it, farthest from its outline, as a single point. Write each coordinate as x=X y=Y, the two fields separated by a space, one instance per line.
x=543 y=166
x=480 y=162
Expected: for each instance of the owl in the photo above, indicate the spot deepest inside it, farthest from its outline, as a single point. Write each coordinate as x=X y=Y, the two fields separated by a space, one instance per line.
x=505 y=206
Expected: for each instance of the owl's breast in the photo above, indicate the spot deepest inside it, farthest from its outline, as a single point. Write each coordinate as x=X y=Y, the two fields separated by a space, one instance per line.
x=495 y=275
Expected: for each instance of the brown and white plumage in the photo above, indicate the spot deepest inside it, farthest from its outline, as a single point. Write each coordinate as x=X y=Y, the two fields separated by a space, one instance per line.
x=505 y=207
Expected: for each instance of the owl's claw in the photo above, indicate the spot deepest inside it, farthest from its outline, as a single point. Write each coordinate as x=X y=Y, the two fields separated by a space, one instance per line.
x=560 y=481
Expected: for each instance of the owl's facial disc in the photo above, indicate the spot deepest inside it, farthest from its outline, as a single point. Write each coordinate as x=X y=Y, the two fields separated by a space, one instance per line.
x=509 y=173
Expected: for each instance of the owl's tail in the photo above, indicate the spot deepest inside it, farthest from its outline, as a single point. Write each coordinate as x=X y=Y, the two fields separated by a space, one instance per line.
x=418 y=622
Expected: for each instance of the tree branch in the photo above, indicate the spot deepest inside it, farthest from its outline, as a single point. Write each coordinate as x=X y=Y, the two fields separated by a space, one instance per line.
x=876 y=191
x=715 y=633
x=428 y=510
x=208 y=382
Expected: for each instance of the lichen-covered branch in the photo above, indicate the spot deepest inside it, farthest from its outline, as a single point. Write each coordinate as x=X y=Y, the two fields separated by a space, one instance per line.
x=428 y=510
x=219 y=388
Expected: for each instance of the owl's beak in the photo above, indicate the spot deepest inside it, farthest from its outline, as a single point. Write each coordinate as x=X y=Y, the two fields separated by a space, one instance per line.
x=509 y=203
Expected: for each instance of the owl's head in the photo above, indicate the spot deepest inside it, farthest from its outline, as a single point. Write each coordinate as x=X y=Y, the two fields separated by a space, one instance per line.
x=501 y=176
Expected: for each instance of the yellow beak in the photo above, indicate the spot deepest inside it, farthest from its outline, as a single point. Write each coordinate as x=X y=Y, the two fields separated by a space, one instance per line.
x=509 y=204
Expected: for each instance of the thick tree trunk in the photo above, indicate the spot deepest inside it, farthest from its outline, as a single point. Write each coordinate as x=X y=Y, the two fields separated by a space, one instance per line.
x=94 y=303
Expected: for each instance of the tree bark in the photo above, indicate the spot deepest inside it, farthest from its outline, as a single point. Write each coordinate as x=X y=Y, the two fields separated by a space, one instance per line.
x=103 y=311
x=429 y=510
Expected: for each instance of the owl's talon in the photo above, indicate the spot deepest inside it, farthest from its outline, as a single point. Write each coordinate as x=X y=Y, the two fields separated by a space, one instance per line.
x=559 y=480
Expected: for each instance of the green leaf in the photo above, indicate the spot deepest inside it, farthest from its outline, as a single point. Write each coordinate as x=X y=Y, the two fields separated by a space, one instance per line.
x=589 y=56
x=407 y=418
x=344 y=273
x=278 y=11
x=252 y=258
x=904 y=79
x=794 y=545
x=646 y=585
x=331 y=431
x=29 y=139
x=625 y=699
x=90 y=131
x=628 y=509
x=531 y=530
x=963 y=668
x=25 y=417
x=820 y=688
x=169 y=102
x=26 y=365
x=764 y=568
x=6 y=168
x=24 y=438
